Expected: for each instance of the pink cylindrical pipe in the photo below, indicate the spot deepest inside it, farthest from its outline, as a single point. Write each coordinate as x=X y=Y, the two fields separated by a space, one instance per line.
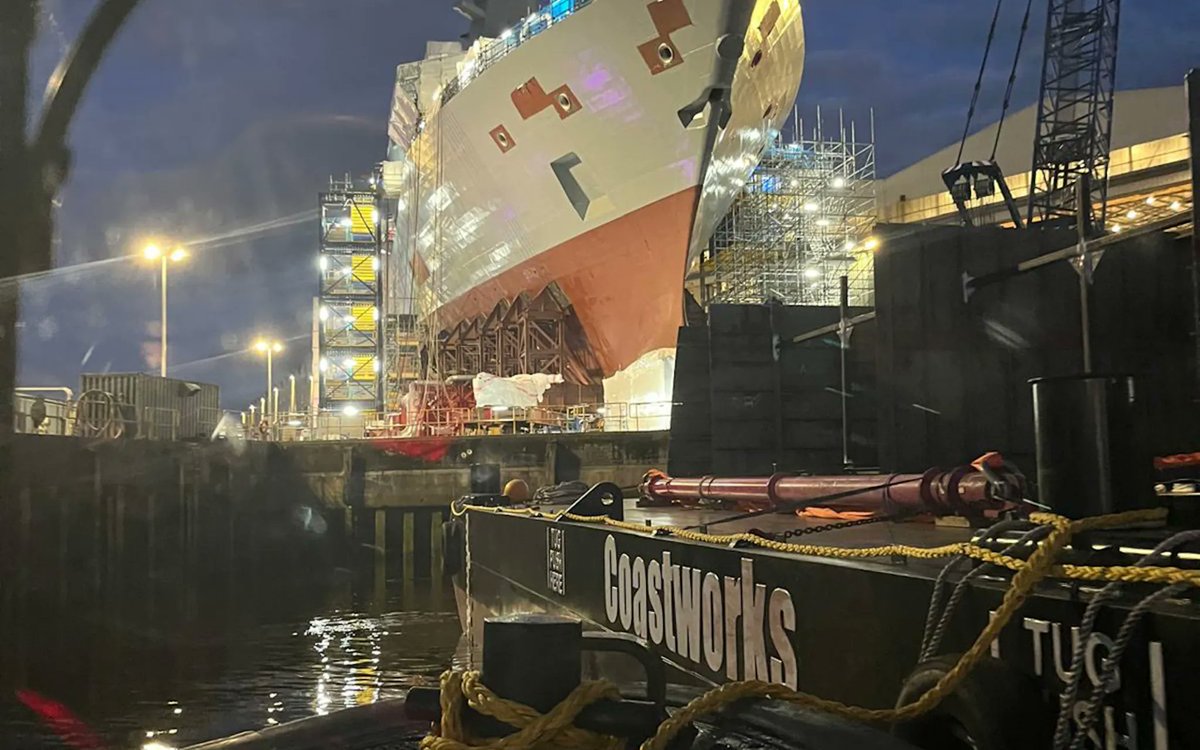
x=933 y=492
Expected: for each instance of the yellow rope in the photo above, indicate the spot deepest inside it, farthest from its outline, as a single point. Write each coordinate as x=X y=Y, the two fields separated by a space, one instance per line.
x=535 y=730
x=1023 y=582
x=1028 y=573
x=1125 y=574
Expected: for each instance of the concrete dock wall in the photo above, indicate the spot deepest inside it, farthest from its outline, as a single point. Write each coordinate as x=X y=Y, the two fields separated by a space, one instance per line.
x=429 y=472
x=75 y=514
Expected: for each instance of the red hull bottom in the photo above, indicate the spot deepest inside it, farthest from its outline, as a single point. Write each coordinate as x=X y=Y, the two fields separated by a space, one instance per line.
x=624 y=279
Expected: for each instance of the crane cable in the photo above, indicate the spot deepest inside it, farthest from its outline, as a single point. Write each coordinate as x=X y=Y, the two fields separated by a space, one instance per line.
x=987 y=50
x=1012 y=77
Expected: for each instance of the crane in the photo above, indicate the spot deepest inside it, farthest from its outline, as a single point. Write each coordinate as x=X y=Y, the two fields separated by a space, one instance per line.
x=1074 y=123
x=1075 y=113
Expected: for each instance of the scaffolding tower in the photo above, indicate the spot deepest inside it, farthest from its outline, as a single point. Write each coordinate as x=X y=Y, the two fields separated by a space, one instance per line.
x=348 y=314
x=404 y=336
x=803 y=220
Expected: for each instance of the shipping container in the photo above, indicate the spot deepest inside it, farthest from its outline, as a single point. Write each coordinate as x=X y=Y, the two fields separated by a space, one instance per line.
x=157 y=408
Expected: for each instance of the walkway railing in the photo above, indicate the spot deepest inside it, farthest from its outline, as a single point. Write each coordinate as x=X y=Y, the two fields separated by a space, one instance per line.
x=52 y=417
x=456 y=421
x=100 y=415
x=493 y=50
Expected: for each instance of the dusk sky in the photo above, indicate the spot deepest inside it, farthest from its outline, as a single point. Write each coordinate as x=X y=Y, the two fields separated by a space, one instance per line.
x=211 y=116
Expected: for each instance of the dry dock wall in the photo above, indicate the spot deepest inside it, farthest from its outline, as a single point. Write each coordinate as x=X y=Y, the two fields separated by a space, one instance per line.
x=430 y=472
x=953 y=375
x=76 y=514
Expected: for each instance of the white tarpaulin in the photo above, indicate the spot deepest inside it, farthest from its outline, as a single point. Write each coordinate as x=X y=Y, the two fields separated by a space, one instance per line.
x=639 y=397
x=517 y=391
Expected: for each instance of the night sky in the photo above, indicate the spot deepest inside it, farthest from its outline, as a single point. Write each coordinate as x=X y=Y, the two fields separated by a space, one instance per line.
x=209 y=116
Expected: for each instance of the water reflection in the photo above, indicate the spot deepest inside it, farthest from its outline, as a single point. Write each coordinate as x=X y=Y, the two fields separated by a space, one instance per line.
x=158 y=668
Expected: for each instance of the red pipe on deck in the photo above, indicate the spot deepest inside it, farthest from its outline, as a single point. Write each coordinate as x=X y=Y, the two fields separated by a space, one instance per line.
x=940 y=492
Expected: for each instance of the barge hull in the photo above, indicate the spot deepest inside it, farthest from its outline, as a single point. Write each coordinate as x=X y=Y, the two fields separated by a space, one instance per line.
x=848 y=630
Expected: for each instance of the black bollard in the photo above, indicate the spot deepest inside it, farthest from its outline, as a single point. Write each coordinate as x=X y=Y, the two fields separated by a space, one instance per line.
x=531 y=659
x=535 y=660
x=1092 y=456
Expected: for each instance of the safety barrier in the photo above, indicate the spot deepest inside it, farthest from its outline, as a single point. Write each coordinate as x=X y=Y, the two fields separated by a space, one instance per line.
x=493 y=50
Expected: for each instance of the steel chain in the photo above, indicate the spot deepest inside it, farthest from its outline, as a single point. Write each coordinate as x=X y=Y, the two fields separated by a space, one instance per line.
x=805 y=530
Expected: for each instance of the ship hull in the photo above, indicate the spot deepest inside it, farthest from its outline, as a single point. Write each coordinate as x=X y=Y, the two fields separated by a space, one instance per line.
x=616 y=276
x=594 y=157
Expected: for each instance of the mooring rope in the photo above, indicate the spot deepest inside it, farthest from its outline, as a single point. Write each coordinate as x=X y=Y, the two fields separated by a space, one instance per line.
x=534 y=730
x=1125 y=574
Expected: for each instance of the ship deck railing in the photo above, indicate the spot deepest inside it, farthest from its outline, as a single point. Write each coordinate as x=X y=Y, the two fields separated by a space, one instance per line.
x=493 y=50
x=456 y=421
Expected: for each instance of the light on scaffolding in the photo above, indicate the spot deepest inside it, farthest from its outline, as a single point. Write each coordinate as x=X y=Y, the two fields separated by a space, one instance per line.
x=348 y=363
x=871 y=243
x=850 y=245
x=811 y=207
x=323 y=364
x=837 y=183
x=506 y=34
x=812 y=273
x=822 y=222
x=323 y=313
x=323 y=263
x=350 y=410
x=1131 y=214
x=1176 y=206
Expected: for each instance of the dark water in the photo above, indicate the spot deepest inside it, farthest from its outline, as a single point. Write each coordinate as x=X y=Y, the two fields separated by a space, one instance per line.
x=167 y=666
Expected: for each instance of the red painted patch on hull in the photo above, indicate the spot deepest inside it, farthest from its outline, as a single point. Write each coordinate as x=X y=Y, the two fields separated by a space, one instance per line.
x=624 y=279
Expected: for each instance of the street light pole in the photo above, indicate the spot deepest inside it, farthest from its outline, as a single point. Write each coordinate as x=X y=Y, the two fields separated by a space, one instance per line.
x=153 y=252
x=270 y=348
x=163 y=358
x=270 y=379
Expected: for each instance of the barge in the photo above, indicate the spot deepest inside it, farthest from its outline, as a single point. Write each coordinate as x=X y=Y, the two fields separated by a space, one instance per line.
x=723 y=607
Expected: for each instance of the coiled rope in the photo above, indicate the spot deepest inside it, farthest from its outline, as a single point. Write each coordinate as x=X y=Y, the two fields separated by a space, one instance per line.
x=534 y=730
x=1028 y=573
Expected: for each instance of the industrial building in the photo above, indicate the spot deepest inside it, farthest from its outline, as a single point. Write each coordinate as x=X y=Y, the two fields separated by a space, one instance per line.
x=1147 y=173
